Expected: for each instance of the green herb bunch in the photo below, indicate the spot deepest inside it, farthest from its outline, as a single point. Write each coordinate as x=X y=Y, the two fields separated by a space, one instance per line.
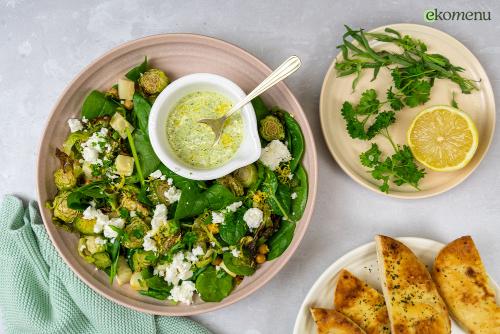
x=413 y=70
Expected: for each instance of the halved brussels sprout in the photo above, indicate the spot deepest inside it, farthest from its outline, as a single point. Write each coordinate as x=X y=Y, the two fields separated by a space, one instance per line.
x=84 y=226
x=64 y=179
x=135 y=232
x=246 y=175
x=232 y=184
x=61 y=209
x=142 y=259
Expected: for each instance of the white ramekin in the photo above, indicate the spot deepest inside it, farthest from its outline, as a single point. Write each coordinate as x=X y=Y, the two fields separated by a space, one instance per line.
x=247 y=153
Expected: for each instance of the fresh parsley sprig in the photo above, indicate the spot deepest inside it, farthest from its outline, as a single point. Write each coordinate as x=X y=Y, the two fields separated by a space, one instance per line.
x=364 y=121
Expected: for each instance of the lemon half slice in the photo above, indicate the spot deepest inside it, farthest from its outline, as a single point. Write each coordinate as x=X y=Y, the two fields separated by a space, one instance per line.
x=443 y=138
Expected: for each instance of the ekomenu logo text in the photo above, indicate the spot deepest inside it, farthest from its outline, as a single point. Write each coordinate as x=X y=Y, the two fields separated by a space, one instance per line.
x=435 y=14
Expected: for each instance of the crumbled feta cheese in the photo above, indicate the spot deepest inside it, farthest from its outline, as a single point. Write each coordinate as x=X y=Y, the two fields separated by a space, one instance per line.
x=293 y=195
x=163 y=177
x=290 y=176
x=197 y=251
x=217 y=268
x=85 y=120
x=175 y=271
x=75 y=125
x=109 y=232
x=253 y=217
x=212 y=243
x=103 y=222
x=159 y=219
x=233 y=207
x=183 y=293
x=173 y=194
x=100 y=241
x=235 y=253
x=133 y=213
x=225 y=249
x=90 y=155
x=275 y=153
x=217 y=217
x=156 y=174
x=170 y=181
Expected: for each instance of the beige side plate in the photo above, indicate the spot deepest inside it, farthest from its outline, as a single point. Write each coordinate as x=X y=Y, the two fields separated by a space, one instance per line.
x=480 y=105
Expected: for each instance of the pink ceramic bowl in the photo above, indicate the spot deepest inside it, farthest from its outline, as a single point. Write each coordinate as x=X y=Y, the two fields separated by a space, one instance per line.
x=178 y=55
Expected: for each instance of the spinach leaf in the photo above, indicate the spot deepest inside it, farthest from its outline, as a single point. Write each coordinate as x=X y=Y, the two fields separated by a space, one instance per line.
x=234 y=227
x=270 y=186
x=299 y=203
x=193 y=202
x=96 y=104
x=214 y=286
x=238 y=265
x=284 y=196
x=180 y=181
x=158 y=283
x=280 y=241
x=260 y=108
x=142 y=108
x=147 y=156
x=135 y=73
x=296 y=140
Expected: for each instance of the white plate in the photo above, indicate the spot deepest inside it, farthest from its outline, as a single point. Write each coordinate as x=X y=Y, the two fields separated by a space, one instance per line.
x=362 y=262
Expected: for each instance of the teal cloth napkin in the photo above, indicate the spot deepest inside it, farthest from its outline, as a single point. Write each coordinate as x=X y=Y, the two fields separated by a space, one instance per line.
x=40 y=294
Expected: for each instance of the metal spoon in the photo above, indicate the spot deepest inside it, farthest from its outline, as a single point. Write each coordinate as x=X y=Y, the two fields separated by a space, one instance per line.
x=283 y=71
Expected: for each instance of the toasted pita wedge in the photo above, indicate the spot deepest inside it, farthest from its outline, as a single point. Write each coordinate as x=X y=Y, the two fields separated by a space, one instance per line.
x=362 y=304
x=413 y=302
x=333 y=322
x=462 y=280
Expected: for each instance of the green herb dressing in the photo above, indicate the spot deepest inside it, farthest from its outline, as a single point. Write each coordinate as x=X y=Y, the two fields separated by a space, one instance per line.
x=192 y=141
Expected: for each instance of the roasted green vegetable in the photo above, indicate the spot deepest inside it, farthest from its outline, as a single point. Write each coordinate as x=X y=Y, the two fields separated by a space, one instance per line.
x=153 y=81
x=246 y=175
x=271 y=128
x=135 y=232
x=61 y=209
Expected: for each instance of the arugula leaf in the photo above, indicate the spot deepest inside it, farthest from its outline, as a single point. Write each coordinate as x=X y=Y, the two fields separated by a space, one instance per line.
x=135 y=73
x=96 y=104
x=80 y=198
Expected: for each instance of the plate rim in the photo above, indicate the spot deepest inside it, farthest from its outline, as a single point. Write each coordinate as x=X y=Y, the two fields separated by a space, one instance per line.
x=371 y=186
x=312 y=172
x=332 y=269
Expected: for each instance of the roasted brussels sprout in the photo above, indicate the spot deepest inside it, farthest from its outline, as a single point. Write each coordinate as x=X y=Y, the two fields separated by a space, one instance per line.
x=142 y=259
x=157 y=192
x=167 y=236
x=84 y=226
x=153 y=81
x=92 y=250
x=64 y=179
x=135 y=232
x=113 y=93
x=246 y=175
x=232 y=184
x=61 y=209
x=129 y=202
x=137 y=282
x=271 y=128
x=101 y=260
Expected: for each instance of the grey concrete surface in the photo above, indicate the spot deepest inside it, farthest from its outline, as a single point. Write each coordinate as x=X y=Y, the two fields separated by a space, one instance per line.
x=44 y=44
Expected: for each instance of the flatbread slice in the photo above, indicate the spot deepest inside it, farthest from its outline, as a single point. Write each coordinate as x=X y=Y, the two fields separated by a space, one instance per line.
x=333 y=322
x=413 y=302
x=362 y=304
x=462 y=280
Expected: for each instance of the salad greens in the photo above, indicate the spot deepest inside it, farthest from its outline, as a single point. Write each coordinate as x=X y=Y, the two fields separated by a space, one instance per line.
x=414 y=71
x=168 y=236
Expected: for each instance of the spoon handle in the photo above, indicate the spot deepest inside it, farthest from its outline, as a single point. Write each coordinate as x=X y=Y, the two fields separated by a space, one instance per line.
x=289 y=66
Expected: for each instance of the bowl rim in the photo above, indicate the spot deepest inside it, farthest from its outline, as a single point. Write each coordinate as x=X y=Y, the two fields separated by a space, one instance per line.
x=312 y=171
x=248 y=151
